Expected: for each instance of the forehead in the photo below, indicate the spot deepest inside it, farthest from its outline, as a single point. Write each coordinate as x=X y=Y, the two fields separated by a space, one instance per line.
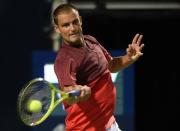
x=68 y=16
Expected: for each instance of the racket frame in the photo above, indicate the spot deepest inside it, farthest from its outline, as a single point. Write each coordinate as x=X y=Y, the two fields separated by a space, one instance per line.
x=53 y=103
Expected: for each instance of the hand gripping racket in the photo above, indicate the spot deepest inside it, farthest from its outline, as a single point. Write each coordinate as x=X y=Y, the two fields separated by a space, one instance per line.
x=45 y=93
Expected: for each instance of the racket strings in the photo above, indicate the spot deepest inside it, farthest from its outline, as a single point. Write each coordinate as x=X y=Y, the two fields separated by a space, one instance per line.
x=36 y=91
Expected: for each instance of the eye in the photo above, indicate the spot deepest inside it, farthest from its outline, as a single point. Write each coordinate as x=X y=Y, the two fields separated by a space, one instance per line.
x=65 y=25
x=76 y=22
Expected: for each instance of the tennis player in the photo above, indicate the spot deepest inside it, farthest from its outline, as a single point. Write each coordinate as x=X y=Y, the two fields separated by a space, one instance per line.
x=83 y=63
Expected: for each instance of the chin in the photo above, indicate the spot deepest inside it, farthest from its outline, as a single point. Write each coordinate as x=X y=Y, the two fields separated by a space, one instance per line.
x=77 y=41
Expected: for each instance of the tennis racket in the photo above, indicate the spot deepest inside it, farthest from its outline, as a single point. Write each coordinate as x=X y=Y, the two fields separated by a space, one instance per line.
x=46 y=93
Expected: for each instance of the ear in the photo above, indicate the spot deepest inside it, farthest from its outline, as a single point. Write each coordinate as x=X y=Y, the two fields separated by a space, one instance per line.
x=56 y=29
x=80 y=18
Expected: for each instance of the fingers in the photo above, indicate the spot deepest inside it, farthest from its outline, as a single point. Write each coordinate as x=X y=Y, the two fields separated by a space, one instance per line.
x=137 y=39
x=141 y=47
x=134 y=57
x=85 y=93
x=134 y=49
x=72 y=100
x=131 y=49
x=138 y=53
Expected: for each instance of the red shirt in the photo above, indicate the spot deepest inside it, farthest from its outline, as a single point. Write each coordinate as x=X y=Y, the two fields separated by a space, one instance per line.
x=87 y=65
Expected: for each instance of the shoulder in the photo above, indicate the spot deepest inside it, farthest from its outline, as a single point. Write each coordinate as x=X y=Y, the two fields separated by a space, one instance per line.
x=65 y=52
x=64 y=60
x=62 y=53
x=67 y=55
x=91 y=39
x=61 y=57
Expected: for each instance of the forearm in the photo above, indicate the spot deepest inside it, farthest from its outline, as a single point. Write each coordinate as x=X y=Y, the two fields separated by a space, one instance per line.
x=119 y=63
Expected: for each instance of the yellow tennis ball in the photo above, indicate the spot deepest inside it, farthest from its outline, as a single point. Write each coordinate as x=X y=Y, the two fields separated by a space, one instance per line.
x=34 y=106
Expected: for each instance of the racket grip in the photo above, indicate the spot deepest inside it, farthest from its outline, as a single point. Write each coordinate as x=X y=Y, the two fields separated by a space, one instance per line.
x=74 y=93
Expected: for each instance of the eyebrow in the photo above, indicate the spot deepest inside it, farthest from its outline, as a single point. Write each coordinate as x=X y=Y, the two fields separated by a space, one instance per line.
x=76 y=19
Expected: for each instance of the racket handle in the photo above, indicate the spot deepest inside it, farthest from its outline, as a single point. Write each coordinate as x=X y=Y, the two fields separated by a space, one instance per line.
x=74 y=93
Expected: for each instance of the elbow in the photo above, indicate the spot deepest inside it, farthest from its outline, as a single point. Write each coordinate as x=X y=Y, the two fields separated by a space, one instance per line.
x=112 y=68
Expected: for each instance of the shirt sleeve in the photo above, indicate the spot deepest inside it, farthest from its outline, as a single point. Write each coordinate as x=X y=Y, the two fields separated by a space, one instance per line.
x=65 y=69
x=106 y=53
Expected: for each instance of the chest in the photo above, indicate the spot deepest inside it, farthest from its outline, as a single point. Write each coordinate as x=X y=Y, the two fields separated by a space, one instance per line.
x=93 y=56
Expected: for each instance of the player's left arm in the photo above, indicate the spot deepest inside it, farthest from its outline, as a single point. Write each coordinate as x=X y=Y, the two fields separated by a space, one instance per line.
x=133 y=52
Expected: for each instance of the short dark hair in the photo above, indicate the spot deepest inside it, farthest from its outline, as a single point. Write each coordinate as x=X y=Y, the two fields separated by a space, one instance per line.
x=63 y=8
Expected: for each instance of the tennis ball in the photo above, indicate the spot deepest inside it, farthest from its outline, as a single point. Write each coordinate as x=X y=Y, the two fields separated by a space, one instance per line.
x=34 y=106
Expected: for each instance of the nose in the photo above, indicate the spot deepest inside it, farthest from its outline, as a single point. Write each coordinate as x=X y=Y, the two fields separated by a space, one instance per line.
x=72 y=27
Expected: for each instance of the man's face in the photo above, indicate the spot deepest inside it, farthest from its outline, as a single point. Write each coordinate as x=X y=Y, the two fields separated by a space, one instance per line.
x=69 y=26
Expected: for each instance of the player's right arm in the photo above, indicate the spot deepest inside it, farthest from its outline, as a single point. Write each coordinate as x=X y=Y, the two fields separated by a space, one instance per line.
x=66 y=66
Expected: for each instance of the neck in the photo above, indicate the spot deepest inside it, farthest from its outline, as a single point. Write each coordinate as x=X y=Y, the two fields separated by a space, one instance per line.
x=77 y=44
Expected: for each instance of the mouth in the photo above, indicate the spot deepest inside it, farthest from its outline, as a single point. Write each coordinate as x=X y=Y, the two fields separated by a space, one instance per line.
x=74 y=35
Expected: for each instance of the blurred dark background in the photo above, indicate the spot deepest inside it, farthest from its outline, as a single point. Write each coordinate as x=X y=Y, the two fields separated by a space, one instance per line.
x=24 y=28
